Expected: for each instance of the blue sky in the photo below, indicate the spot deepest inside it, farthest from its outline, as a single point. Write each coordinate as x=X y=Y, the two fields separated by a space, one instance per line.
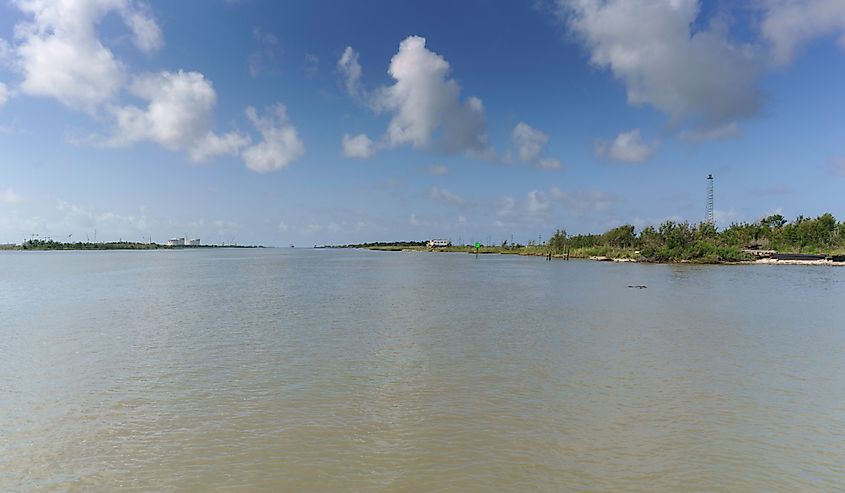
x=336 y=122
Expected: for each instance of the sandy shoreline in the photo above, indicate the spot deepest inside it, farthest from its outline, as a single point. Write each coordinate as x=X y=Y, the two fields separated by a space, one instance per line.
x=763 y=261
x=771 y=261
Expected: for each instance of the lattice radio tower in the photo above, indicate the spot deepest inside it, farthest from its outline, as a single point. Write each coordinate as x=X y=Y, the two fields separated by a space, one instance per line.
x=708 y=211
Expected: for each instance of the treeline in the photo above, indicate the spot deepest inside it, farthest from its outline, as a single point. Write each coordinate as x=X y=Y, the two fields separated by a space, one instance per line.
x=682 y=241
x=114 y=245
x=380 y=244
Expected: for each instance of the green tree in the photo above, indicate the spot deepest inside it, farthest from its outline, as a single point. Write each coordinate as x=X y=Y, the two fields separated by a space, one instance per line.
x=774 y=221
x=557 y=243
x=621 y=237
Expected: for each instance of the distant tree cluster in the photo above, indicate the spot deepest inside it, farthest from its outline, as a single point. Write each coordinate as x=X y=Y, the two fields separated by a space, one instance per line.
x=380 y=244
x=35 y=244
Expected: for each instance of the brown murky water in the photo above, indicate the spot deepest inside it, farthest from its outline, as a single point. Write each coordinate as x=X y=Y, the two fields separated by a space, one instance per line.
x=322 y=371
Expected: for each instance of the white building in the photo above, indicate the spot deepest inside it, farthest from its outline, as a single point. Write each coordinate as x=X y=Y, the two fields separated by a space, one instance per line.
x=176 y=242
x=193 y=242
x=438 y=243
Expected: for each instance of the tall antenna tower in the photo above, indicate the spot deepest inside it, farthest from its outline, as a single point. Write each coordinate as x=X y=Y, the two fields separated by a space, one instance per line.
x=708 y=211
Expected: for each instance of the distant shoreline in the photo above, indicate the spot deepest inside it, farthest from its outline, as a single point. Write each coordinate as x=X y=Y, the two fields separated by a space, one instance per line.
x=42 y=246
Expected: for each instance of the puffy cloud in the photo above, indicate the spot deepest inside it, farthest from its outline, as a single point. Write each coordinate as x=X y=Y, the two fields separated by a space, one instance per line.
x=217 y=145
x=787 y=24
x=146 y=35
x=627 y=147
x=696 y=75
x=530 y=143
x=178 y=116
x=445 y=196
x=5 y=51
x=359 y=146
x=9 y=196
x=349 y=67
x=60 y=55
x=438 y=170
x=537 y=203
x=178 y=113
x=4 y=94
x=280 y=144
x=426 y=107
x=424 y=100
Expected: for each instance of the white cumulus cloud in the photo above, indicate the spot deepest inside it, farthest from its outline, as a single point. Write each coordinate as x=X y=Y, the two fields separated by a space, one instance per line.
x=425 y=103
x=537 y=203
x=627 y=147
x=5 y=52
x=530 y=144
x=179 y=117
x=4 y=94
x=179 y=114
x=61 y=56
x=699 y=75
x=212 y=145
x=178 y=111
x=350 y=68
x=280 y=144
x=359 y=146
x=788 y=24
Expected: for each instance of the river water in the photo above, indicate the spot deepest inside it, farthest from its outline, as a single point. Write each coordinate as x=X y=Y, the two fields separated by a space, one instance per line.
x=324 y=371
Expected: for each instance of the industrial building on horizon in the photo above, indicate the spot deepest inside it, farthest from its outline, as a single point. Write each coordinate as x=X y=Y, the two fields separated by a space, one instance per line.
x=183 y=242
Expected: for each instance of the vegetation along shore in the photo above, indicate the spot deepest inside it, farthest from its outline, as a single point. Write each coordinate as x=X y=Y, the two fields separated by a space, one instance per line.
x=773 y=239
x=35 y=244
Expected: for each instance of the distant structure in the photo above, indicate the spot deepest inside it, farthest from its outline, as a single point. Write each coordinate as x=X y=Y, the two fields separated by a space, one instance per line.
x=708 y=210
x=438 y=243
x=176 y=242
x=193 y=242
